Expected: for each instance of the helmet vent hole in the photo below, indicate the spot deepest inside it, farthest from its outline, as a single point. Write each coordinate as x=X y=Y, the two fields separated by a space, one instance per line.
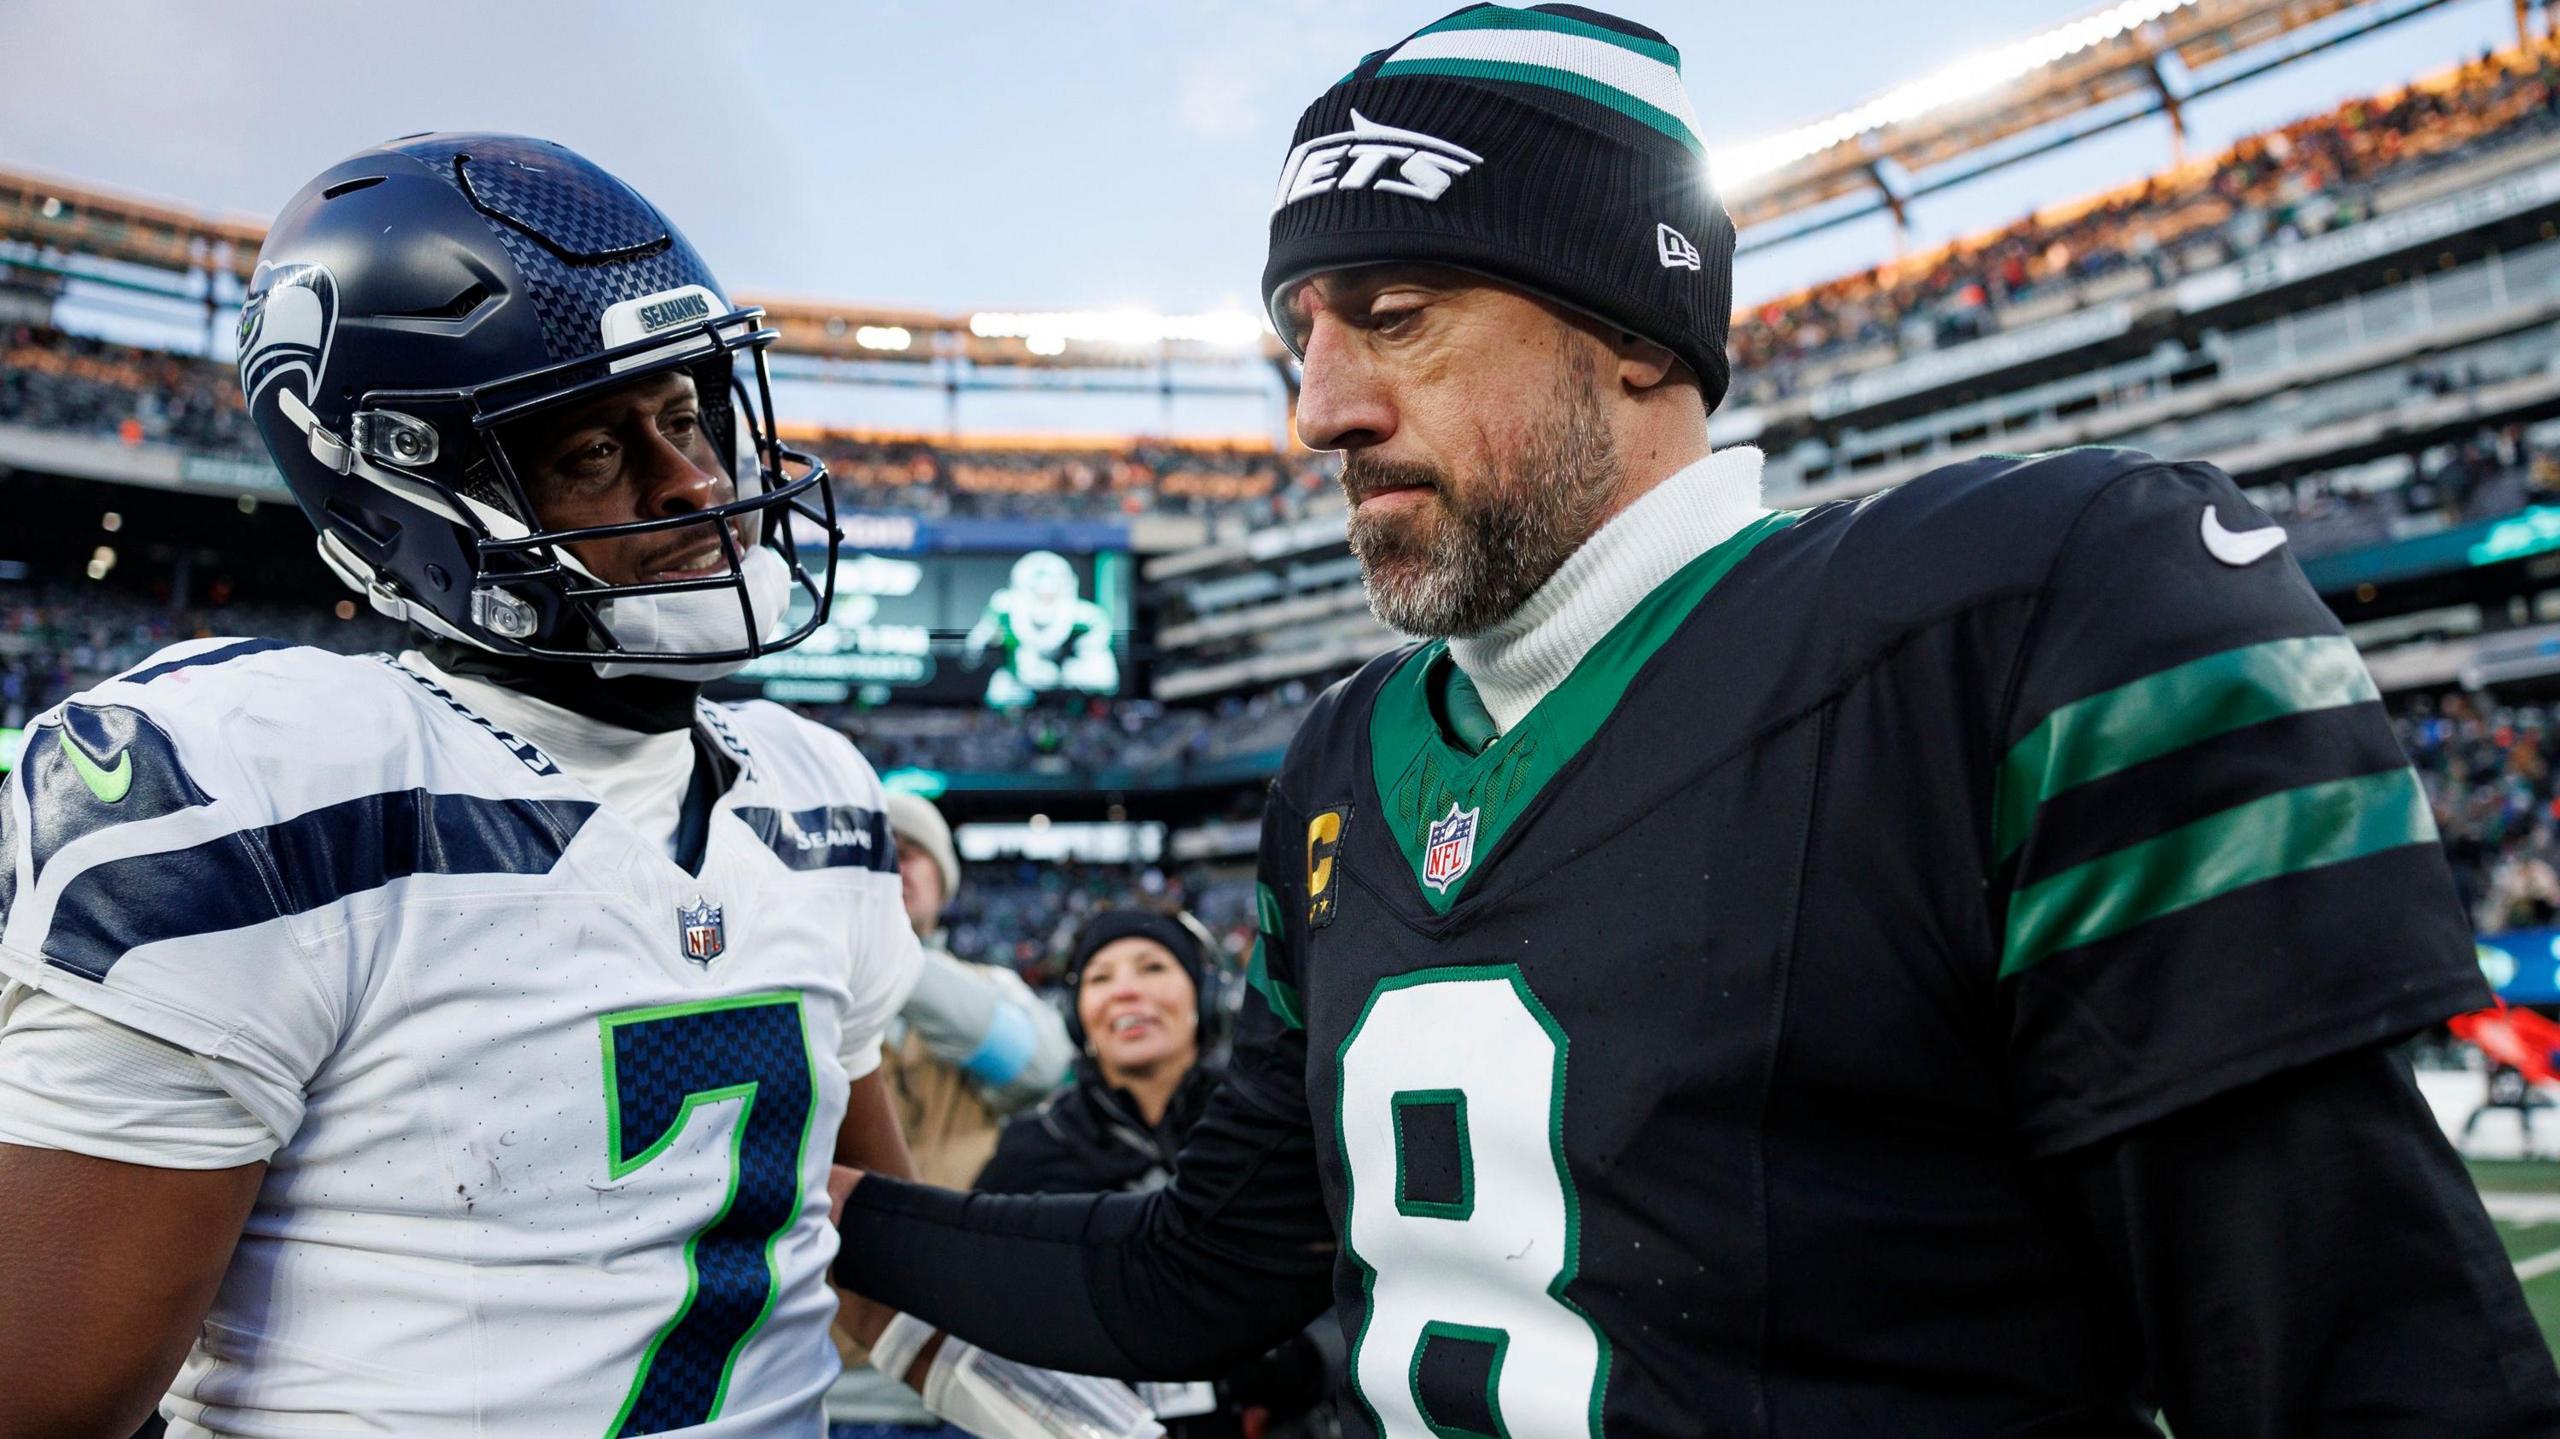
x=459 y=307
x=373 y=537
x=349 y=187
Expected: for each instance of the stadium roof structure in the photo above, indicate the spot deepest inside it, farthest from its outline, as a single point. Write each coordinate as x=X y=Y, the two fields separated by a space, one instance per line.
x=2126 y=61
x=82 y=219
x=58 y=218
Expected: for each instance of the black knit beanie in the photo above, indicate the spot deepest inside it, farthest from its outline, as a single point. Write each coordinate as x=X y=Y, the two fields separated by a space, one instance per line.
x=1552 y=148
x=1178 y=933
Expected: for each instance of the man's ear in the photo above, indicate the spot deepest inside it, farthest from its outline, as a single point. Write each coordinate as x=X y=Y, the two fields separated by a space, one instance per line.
x=1642 y=364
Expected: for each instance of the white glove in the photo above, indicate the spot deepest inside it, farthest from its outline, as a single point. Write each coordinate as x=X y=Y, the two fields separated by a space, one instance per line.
x=995 y=1398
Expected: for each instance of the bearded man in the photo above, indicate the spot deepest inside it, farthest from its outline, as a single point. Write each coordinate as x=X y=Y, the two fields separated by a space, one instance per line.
x=1924 y=967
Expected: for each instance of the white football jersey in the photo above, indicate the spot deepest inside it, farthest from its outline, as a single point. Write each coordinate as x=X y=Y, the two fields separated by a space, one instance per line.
x=557 y=1113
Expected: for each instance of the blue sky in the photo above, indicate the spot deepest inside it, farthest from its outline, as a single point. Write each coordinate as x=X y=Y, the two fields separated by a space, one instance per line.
x=978 y=155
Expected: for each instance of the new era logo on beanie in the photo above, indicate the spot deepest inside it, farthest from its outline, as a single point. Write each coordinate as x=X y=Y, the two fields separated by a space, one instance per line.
x=1674 y=248
x=1552 y=148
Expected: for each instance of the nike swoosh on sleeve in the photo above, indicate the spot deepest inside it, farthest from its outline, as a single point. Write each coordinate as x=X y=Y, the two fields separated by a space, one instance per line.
x=109 y=783
x=2245 y=547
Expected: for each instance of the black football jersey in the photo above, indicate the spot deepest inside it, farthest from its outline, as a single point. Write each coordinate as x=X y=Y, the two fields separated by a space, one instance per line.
x=1678 y=1063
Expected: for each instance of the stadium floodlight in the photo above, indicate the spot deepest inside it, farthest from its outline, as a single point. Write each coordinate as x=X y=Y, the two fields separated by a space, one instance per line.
x=1735 y=167
x=1048 y=332
x=883 y=337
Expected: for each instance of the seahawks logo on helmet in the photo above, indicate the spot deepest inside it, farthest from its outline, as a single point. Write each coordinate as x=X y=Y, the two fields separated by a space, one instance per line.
x=285 y=326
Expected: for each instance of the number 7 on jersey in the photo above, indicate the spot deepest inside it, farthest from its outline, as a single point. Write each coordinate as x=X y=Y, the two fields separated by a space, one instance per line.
x=660 y=1065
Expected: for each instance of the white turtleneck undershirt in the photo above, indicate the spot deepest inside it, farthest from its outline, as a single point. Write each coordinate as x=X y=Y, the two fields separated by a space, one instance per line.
x=638 y=775
x=1514 y=664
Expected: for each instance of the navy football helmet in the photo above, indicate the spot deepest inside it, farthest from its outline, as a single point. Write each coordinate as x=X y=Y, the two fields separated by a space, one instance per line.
x=417 y=304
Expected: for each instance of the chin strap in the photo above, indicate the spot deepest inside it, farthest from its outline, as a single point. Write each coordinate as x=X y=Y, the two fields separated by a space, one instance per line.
x=698 y=621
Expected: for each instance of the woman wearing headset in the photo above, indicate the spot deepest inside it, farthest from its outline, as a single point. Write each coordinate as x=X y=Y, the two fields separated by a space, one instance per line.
x=1144 y=1017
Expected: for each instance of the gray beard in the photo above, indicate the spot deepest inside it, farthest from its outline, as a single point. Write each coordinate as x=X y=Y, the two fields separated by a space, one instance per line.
x=1473 y=563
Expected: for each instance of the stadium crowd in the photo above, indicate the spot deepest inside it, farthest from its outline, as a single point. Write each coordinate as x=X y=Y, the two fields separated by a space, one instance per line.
x=2488 y=770
x=2306 y=178
x=52 y=380
x=2303 y=179
x=55 y=381
x=56 y=640
x=1130 y=737
x=935 y=481
x=2495 y=472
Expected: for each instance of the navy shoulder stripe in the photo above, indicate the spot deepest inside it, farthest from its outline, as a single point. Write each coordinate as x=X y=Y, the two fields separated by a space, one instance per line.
x=252 y=876
x=8 y=857
x=99 y=766
x=836 y=836
x=219 y=654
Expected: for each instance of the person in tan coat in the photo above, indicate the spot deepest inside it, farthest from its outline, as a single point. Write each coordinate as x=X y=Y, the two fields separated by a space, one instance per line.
x=972 y=1045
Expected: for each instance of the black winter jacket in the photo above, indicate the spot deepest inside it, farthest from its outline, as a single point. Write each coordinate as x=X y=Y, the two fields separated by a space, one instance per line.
x=1090 y=1137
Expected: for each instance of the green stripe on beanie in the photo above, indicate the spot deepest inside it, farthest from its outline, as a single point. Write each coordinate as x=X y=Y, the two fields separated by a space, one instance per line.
x=1630 y=74
x=1556 y=20
x=1565 y=80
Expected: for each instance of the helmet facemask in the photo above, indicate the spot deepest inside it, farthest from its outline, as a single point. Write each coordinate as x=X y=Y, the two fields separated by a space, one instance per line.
x=526 y=591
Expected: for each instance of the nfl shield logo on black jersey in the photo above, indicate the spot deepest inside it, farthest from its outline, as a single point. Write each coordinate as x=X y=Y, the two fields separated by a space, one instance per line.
x=1449 y=850
x=704 y=935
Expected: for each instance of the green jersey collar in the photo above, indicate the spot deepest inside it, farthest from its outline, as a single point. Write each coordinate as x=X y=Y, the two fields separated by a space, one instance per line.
x=1451 y=803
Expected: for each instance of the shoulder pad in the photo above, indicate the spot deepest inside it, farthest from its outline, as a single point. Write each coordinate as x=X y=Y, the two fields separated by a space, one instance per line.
x=225 y=707
x=1344 y=704
x=795 y=752
x=1967 y=531
x=224 y=674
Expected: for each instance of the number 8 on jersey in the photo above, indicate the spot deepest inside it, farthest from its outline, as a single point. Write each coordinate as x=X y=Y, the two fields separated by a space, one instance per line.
x=1462 y=1216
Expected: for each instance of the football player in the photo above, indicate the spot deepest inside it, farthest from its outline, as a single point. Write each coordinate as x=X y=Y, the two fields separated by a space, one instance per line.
x=1925 y=966
x=1044 y=635
x=458 y=1042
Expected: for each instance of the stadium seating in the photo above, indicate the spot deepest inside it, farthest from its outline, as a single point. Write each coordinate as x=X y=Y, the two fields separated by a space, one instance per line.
x=2489 y=773
x=53 y=381
x=50 y=380
x=2306 y=178
x=57 y=639
x=920 y=477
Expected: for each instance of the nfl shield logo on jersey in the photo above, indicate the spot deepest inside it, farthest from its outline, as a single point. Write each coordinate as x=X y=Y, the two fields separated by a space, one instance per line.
x=704 y=936
x=1450 y=848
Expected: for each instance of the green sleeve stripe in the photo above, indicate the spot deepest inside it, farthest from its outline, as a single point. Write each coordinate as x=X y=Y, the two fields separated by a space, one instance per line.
x=1266 y=910
x=2166 y=712
x=1498 y=19
x=2284 y=833
x=1280 y=994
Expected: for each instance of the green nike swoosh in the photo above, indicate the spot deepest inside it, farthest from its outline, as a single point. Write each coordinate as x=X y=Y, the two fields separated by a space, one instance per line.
x=108 y=784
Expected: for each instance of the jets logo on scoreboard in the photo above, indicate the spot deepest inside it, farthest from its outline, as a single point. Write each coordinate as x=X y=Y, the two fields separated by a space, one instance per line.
x=705 y=937
x=1449 y=850
x=1324 y=850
